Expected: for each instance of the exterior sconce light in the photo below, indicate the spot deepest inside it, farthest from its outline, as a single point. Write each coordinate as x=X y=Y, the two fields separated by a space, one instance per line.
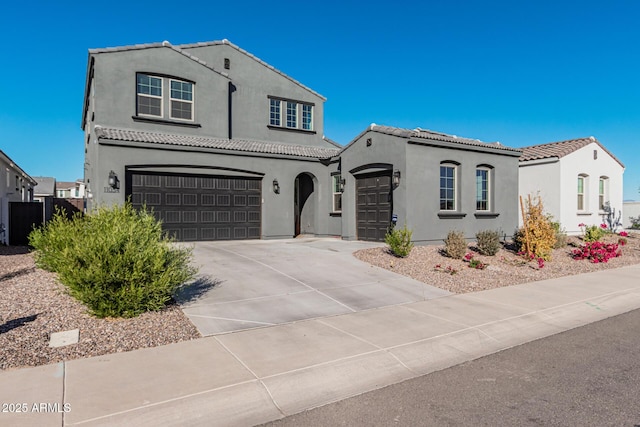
x=396 y=177
x=342 y=182
x=276 y=186
x=114 y=182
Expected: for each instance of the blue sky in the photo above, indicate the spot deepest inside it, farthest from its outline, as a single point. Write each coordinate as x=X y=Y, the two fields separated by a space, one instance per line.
x=521 y=73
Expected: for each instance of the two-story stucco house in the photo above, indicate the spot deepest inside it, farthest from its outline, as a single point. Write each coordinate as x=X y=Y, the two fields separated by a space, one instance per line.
x=219 y=143
x=224 y=146
x=15 y=186
x=576 y=179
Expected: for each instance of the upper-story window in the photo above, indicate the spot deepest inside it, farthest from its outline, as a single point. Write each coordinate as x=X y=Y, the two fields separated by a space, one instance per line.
x=274 y=112
x=337 y=193
x=307 y=117
x=151 y=97
x=181 y=100
x=290 y=114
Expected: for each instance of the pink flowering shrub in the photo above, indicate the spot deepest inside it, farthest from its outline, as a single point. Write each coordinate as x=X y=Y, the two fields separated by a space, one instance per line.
x=597 y=252
x=474 y=263
x=623 y=234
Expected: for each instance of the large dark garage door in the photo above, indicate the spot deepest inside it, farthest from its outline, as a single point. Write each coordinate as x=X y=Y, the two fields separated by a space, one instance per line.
x=374 y=201
x=200 y=207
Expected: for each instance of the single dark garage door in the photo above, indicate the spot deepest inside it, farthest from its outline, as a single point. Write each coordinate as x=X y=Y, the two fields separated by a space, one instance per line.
x=374 y=202
x=194 y=207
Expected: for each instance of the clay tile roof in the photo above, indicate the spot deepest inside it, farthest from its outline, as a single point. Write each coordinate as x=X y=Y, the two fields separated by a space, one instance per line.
x=438 y=136
x=216 y=143
x=560 y=149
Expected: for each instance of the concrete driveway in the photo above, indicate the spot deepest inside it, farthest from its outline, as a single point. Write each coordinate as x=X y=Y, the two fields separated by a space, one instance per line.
x=257 y=283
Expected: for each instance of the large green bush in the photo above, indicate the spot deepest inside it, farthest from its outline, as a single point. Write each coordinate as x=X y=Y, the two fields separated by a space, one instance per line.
x=117 y=260
x=399 y=241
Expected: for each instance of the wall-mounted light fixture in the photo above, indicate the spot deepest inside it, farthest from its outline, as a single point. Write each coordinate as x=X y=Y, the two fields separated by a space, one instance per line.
x=396 y=177
x=276 y=186
x=114 y=182
x=342 y=182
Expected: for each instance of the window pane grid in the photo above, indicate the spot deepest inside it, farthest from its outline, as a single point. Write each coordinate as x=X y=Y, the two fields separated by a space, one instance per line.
x=306 y=117
x=337 y=194
x=274 y=112
x=482 y=189
x=292 y=110
x=447 y=188
x=580 y=193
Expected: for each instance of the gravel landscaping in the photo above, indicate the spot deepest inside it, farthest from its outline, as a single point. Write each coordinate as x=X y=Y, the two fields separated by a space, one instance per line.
x=33 y=304
x=427 y=264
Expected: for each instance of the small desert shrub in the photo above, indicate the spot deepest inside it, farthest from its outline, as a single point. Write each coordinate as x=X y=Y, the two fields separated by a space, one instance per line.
x=561 y=236
x=488 y=242
x=117 y=261
x=455 y=245
x=399 y=241
x=537 y=237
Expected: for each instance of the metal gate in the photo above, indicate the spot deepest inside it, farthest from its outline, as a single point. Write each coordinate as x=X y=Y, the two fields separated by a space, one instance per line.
x=23 y=217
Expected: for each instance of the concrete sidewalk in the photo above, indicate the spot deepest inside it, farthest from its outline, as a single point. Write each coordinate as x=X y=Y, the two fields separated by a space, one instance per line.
x=250 y=377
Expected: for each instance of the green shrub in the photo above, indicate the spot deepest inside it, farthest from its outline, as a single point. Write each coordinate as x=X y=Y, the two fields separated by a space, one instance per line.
x=537 y=237
x=117 y=261
x=488 y=242
x=593 y=233
x=399 y=241
x=455 y=245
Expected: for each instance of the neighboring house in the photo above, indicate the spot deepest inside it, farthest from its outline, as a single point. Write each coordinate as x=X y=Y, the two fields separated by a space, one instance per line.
x=70 y=190
x=15 y=186
x=219 y=143
x=430 y=181
x=578 y=180
x=45 y=192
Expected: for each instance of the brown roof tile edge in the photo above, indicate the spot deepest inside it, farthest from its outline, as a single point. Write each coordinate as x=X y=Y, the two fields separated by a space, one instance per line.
x=561 y=148
x=215 y=143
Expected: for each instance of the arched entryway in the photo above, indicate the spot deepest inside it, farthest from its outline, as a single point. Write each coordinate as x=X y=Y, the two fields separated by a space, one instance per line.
x=304 y=204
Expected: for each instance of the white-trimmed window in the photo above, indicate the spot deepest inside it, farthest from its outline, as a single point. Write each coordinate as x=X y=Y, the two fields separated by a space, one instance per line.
x=274 y=112
x=181 y=100
x=582 y=191
x=149 y=99
x=448 y=191
x=307 y=117
x=152 y=99
x=337 y=193
x=603 y=192
x=483 y=177
x=290 y=114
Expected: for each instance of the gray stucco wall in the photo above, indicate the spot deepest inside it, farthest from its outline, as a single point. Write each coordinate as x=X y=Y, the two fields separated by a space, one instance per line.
x=432 y=225
x=277 y=209
x=416 y=199
x=254 y=83
x=385 y=152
